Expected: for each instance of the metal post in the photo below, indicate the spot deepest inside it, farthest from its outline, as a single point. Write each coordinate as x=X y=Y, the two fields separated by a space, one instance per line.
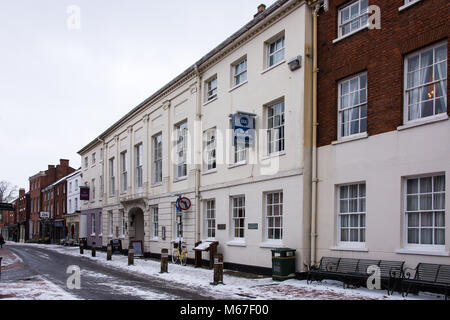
x=164 y=260
x=1 y=267
x=218 y=270
x=81 y=248
x=130 y=255
x=93 y=249
x=109 y=252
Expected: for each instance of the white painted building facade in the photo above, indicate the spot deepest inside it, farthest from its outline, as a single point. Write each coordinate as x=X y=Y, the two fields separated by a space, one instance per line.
x=179 y=142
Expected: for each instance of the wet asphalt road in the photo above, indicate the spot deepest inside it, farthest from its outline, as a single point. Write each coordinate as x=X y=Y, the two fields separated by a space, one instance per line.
x=97 y=282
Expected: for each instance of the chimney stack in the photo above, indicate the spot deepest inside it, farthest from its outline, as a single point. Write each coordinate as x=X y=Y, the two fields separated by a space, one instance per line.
x=21 y=192
x=261 y=8
x=63 y=162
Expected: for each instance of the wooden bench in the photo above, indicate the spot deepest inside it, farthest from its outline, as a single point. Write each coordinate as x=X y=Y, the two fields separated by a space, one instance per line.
x=354 y=272
x=427 y=277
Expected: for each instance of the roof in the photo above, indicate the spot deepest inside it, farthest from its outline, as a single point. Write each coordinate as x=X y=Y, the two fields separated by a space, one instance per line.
x=255 y=21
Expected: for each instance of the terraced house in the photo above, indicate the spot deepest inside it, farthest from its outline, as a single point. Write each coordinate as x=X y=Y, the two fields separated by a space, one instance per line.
x=383 y=156
x=233 y=134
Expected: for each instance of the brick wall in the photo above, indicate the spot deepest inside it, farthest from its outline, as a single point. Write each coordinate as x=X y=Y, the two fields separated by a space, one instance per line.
x=378 y=52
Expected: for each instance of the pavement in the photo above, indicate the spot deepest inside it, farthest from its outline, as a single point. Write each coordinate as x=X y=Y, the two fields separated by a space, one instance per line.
x=46 y=265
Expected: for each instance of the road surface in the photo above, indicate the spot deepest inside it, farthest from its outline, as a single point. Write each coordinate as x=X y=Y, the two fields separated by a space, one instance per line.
x=97 y=282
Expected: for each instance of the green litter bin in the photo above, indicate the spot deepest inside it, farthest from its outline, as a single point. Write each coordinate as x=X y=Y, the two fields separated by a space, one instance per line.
x=283 y=264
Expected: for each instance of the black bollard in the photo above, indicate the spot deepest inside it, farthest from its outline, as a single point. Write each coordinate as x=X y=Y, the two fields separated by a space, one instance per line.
x=81 y=248
x=109 y=252
x=218 y=270
x=164 y=261
x=93 y=249
x=130 y=255
x=1 y=267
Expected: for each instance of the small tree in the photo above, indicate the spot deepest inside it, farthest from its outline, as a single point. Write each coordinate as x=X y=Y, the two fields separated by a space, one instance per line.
x=7 y=191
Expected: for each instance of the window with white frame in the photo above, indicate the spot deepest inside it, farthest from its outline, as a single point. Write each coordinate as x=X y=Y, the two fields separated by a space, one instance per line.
x=352 y=105
x=70 y=206
x=211 y=89
x=111 y=222
x=274 y=216
x=93 y=158
x=276 y=51
x=155 y=222
x=238 y=217
x=181 y=134
x=240 y=72
x=426 y=82
x=124 y=171
x=139 y=165
x=275 y=128
x=86 y=162
x=93 y=189
x=122 y=215
x=210 y=218
x=425 y=210
x=112 y=177
x=353 y=17
x=157 y=158
x=93 y=223
x=210 y=149
x=76 y=204
x=352 y=213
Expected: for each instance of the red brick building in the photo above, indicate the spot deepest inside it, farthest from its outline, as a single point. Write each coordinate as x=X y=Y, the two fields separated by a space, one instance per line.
x=383 y=168
x=38 y=183
x=23 y=214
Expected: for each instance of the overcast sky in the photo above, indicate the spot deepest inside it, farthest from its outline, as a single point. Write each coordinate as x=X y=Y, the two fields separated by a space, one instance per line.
x=63 y=83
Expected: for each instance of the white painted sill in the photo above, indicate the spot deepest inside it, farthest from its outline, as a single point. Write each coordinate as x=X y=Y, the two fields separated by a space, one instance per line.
x=210 y=101
x=239 y=164
x=406 y=6
x=236 y=243
x=154 y=239
x=237 y=86
x=271 y=245
x=159 y=184
x=423 y=252
x=274 y=155
x=354 y=137
x=209 y=172
x=351 y=33
x=273 y=67
x=180 y=179
x=424 y=121
x=344 y=248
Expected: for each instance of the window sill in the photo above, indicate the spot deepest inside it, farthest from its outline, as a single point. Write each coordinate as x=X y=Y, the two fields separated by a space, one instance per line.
x=155 y=239
x=180 y=179
x=424 y=121
x=354 y=137
x=273 y=67
x=344 y=248
x=93 y=235
x=237 y=243
x=237 y=86
x=272 y=244
x=274 y=155
x=209 y=172
x=424 y=252
x=210 y=101
x=406 y=6
x=159 y=184
x=351 y=33
x=239 y=164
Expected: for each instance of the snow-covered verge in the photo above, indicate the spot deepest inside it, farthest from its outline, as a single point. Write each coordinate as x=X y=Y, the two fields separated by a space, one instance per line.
x=10 y=259
x=237 y=287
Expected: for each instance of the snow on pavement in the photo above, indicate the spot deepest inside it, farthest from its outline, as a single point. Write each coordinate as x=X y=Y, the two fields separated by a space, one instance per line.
x=237 y=287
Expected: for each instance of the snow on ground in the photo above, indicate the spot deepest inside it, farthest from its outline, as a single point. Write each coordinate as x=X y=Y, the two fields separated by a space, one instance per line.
x=35 y=288
x=237 y=287
x=8 y=260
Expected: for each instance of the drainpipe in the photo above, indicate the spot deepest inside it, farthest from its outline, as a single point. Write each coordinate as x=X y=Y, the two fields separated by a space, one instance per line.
x=198 y=119
x=314 y=142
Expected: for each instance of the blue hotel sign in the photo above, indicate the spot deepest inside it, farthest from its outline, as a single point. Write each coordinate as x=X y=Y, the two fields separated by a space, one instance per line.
x=243 y=125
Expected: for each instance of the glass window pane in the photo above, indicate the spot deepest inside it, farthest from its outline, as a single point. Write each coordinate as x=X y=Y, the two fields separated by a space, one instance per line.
x=413 y=236
x=439 y=184
x=426 y=236
x=426 y=185
x=426 y=202
x=413 y=220
x=440 y=237
x=426 y=220
x=439 y=219
x=413 y=63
